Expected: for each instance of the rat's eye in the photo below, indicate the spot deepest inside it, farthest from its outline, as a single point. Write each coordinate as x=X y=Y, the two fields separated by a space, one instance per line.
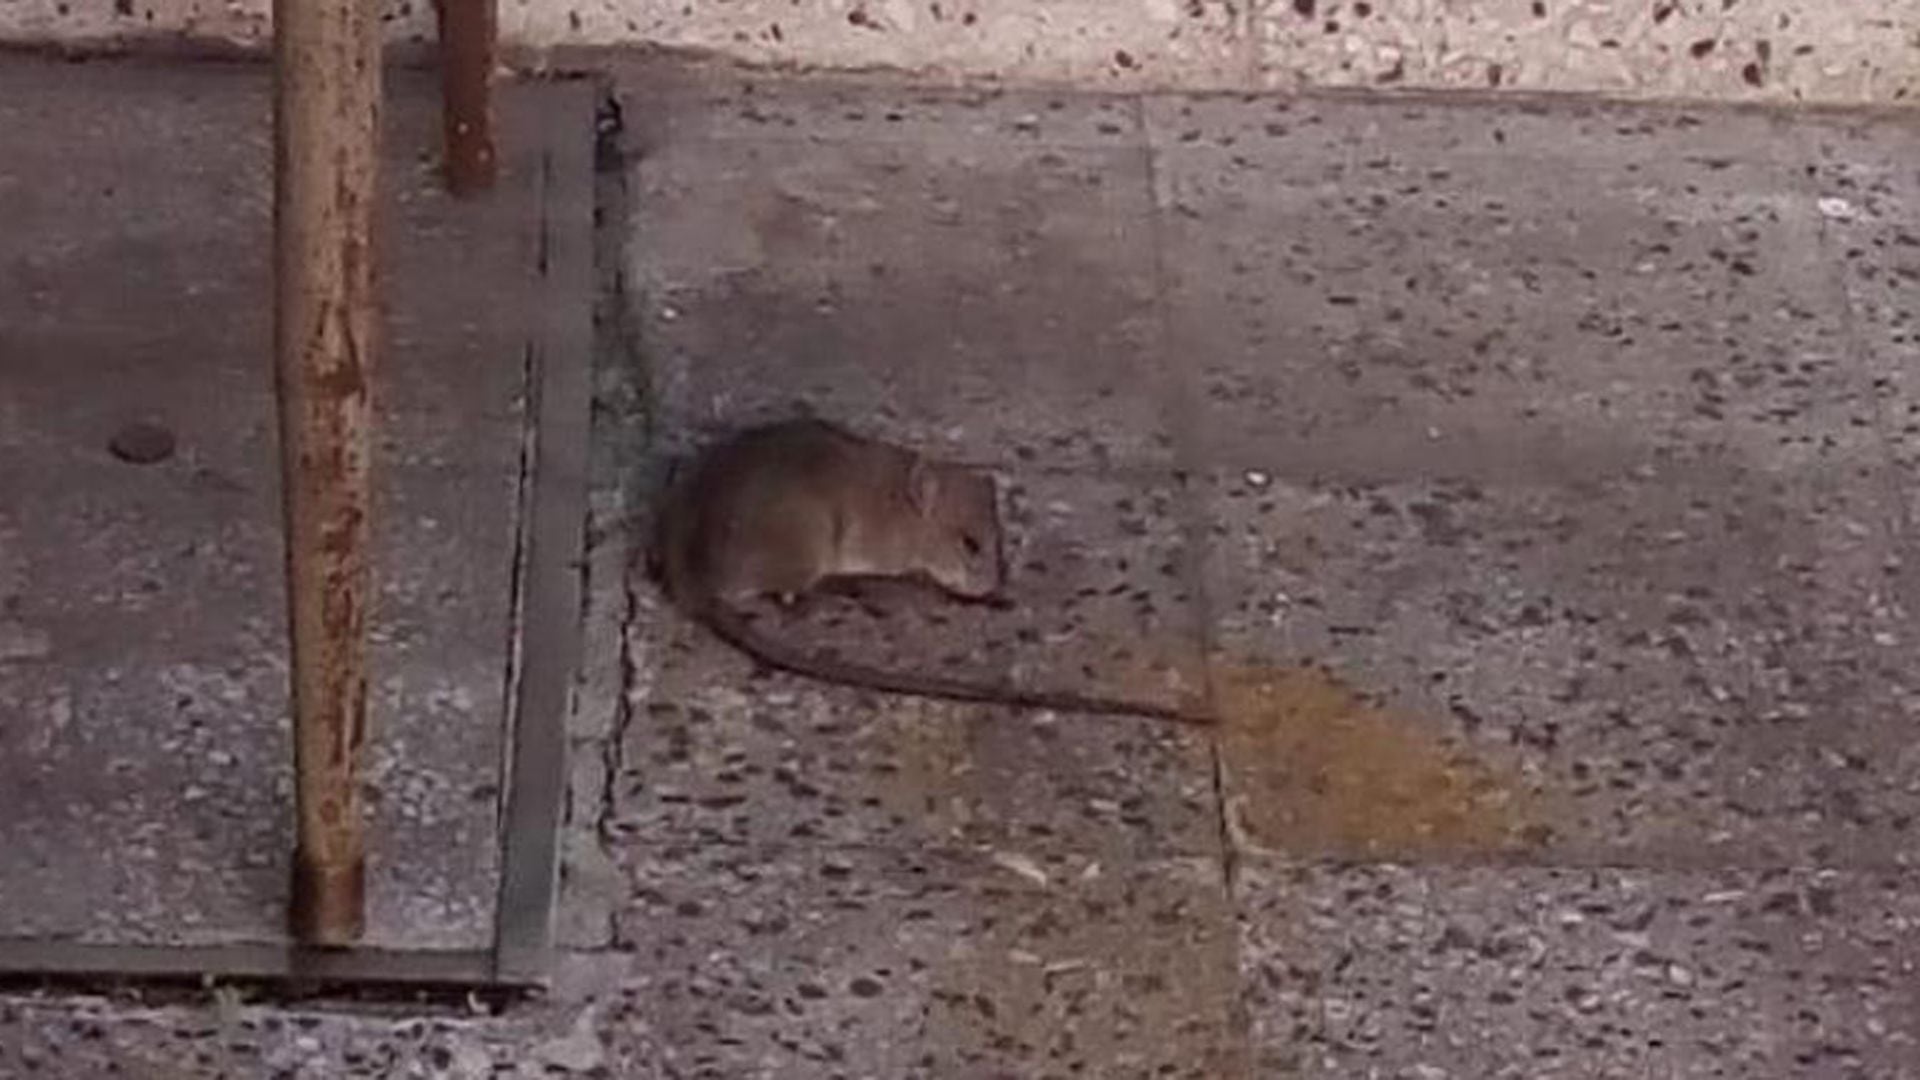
x=972 y=545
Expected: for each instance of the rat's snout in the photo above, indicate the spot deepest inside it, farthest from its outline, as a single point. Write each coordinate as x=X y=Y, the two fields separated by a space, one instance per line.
x=978 y=581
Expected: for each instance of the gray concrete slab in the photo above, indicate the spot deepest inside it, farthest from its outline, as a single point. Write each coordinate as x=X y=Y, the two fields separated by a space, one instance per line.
x=1419 y=971
x=226 y=1034
x=809 y=961
x=1572 y=453
x=88 y=192
x=851 y=281
x=1866 y=185
x=1696 y=665
x=1372 y=289
x=144 y=683
x=103 y=1038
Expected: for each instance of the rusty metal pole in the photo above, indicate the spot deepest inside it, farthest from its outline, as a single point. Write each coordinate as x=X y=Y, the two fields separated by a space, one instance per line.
x=326 y=121
x=467 y=32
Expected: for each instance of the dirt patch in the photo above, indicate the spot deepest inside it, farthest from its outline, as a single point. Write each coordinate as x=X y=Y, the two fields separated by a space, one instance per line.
x=1313 y=769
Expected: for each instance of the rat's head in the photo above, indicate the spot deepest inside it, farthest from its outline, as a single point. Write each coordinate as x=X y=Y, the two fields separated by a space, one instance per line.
x=960 y=528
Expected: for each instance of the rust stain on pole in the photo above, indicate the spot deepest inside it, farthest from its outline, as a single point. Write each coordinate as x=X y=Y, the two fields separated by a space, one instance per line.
x=467 y=32
x=326 y=110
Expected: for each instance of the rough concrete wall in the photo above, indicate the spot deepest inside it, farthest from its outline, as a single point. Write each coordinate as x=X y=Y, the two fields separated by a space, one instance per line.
x=1836 y=51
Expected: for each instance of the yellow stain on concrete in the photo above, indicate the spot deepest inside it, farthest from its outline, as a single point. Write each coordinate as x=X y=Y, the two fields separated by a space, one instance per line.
x=1315 y=770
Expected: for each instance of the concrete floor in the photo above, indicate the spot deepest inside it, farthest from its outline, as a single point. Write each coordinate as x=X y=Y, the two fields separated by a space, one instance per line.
x=1524 y=482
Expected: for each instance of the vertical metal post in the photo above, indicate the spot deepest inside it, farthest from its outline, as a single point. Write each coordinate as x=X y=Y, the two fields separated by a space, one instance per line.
x=326 y=110
x=467 y=31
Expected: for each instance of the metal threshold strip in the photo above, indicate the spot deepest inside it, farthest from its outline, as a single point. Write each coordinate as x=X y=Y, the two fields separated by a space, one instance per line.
x=26 y=958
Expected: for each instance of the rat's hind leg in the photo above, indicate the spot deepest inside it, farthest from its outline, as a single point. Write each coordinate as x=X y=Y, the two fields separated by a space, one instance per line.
x=789 y=581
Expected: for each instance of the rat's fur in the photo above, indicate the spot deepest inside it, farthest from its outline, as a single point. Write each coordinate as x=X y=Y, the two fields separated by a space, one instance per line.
x=785 y=508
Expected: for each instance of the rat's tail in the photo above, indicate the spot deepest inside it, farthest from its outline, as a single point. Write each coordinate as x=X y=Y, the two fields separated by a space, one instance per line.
x=733 y=628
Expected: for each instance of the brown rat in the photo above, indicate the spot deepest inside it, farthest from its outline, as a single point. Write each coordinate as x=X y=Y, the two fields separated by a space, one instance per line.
x=786 y=508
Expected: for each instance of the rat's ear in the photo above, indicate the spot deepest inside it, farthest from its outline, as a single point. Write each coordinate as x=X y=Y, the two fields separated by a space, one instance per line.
x=923 y=485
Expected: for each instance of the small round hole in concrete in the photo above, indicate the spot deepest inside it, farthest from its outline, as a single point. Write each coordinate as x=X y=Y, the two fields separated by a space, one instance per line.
x=142 y=443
